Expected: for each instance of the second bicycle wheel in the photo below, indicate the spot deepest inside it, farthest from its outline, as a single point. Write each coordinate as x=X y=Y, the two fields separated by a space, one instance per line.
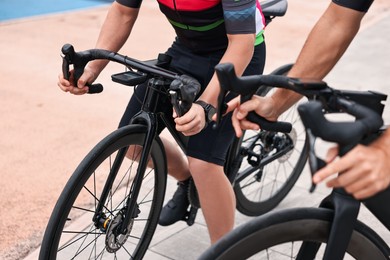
x=269 y=163
x=279 y=236
x=77 y=231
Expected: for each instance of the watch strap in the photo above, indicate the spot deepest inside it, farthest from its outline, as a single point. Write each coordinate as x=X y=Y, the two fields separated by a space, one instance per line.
x=207 y=109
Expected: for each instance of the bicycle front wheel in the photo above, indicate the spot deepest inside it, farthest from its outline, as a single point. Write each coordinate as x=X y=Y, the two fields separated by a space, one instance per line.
x=279 y=235
x=78 y=230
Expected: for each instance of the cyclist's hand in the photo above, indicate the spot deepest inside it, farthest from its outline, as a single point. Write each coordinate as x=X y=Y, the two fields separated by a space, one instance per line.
x=263 y=106
x=81 y=88
x=191 y=122
x=364 y=171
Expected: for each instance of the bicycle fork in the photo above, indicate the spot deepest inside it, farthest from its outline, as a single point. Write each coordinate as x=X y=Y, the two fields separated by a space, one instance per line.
x=346 y=210
x=123 y=220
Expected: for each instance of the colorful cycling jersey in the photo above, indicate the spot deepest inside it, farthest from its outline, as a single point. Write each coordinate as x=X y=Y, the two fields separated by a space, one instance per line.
x=203 y=25
x=358 y=5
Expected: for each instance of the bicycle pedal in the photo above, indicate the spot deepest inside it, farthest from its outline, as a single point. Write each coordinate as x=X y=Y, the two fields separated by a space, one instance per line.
x=189 y=218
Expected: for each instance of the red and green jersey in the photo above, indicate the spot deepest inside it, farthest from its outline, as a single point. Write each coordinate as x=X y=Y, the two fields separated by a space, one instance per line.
x=203 y=25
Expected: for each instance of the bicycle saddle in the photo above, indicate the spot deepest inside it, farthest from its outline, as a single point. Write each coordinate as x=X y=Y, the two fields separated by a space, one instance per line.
x=274 y=7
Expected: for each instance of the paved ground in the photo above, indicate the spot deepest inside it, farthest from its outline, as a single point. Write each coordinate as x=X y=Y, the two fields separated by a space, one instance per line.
x=45 y=132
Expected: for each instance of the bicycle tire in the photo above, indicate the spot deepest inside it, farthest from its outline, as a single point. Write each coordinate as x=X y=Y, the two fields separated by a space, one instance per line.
x=76 y=205
x=253 y=239
x=265 y=186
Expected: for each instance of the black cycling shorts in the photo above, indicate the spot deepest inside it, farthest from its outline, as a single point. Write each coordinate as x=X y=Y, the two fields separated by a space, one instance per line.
x=358 y=5
x=210 y=145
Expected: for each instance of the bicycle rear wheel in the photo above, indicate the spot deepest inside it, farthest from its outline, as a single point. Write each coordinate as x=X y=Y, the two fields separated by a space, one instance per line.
x=72 y=232
x=269 y=163
x=279 y=235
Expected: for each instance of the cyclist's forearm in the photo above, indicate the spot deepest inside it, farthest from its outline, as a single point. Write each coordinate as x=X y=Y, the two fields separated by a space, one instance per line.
x=324 y=46
x=283 y=100
x=239 y=53
x=114 y=32
x=327 y=42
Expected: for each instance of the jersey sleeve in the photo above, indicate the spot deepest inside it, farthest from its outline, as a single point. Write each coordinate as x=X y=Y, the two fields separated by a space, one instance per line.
x=239 y=16
x=358 y=5
x=130 y=3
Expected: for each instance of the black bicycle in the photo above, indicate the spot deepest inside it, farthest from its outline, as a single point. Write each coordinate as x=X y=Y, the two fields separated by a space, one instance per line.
x=111 y=204
x=331 y=230
x=268 y=163
x=264 y=165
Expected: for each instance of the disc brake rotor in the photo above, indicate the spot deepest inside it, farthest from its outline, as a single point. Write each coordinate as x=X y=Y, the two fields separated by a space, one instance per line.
x=114 y=240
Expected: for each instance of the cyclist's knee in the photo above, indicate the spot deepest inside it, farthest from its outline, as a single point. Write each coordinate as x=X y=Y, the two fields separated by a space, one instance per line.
x=199 y=168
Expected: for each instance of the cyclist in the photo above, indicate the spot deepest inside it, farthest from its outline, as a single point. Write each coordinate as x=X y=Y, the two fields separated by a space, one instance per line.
x=365 y=168
x=207 y=32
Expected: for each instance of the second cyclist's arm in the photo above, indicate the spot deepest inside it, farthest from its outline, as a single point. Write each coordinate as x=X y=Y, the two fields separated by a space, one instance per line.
x=114 y=32
x=240 y=24
x=324 y=46
x=239 y=52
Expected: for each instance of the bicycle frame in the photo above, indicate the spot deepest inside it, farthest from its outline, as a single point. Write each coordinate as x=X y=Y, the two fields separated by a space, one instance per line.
x=259 y=162
x=148 y=117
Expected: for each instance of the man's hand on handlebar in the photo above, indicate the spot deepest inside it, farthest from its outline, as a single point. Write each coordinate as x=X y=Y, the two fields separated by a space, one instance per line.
x=364 y=170
x=263 y=106
x=81 y=88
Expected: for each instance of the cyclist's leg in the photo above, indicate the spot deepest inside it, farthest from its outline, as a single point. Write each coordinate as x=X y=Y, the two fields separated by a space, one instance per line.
x=199 y=67
x=202 y=145
x=177 y=207
x=177 y=162
x=216 y=197
x=206 y=153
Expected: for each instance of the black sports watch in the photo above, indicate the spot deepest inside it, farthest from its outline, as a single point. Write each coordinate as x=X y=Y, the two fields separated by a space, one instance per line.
x=209 y=110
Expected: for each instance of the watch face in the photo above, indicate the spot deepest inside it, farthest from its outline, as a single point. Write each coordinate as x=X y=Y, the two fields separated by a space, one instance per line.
x=211 y=112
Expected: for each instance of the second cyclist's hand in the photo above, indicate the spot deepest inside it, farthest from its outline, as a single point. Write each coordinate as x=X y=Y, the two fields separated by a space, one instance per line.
x=263 y=106
x=191 y=122
x=81 y=88
x=364 y=171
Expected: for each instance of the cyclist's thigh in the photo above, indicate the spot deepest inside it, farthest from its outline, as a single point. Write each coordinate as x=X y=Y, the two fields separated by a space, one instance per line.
x=211 y=145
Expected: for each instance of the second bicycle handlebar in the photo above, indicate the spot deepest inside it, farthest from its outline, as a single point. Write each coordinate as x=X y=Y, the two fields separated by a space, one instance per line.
x=347 y=134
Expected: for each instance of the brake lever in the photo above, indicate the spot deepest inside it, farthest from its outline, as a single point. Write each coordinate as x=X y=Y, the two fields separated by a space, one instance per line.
x=221 y=106
x=68 y=58
x=175 y=102
x=315 y=163
x=67 y=52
